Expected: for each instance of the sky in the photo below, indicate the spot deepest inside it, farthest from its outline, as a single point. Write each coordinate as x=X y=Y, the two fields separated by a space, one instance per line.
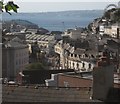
x=61 y=5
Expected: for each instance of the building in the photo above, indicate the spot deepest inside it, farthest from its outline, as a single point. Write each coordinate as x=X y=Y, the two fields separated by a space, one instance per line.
x=12 y=35
x=32 y=31
x=45 y=42
x=78 y=59
x=76 y=80
x=15 y=56
x=76 y=33
x=70 y=79
x=107 y=30
x=103 y=77
x=94 y=25
x=110 y=30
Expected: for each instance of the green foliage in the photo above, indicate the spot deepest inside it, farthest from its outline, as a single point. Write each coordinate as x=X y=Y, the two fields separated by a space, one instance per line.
x=113 y=14
x=35 y=66
x=117 y=15
x=1 y=5
x=10 y=6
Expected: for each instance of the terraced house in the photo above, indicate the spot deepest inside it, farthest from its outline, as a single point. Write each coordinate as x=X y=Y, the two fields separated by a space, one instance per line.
x=75 y=58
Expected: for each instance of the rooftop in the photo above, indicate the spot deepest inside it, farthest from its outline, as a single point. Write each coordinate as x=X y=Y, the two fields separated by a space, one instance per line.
x=39 y=37
x=12 y=93
x=15 y=43
x=88 y=75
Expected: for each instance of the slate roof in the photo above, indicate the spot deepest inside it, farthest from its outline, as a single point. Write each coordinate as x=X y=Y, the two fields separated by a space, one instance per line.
x=39 y=37
x=15 y=43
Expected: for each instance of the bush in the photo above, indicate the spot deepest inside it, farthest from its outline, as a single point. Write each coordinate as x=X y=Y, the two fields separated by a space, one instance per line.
x=35 y=66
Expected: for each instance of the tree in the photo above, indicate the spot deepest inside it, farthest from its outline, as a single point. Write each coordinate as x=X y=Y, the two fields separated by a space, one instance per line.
x=36 y=66
x=9 y=6
x=113 y=14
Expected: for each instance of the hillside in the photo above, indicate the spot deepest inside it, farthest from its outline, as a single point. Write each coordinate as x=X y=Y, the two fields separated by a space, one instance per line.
x=22 y=23
x=113 y=15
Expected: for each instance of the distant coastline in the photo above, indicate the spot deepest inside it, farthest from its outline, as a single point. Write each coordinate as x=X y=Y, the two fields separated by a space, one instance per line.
x=54 y=20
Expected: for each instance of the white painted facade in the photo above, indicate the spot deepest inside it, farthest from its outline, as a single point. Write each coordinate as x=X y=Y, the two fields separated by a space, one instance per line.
x=109 y=30
x=77 y=62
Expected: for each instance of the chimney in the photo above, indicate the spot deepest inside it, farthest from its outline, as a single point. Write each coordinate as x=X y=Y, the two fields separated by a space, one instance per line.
x=103 y=77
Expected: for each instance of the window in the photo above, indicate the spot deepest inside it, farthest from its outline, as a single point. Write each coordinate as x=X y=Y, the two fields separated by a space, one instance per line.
x=77 y=65
x=79 y=56
x=86 y=55
x=71 y=55
x=89 y=66
x=83 y=64
x=73 y=64
x=83 y=56
x=69 y=64
x=16 y=62
x=19 y=62
x=92 y=56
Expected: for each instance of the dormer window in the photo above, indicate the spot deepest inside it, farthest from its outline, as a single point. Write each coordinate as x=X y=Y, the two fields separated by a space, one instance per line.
x=83 y=56
x=71 y=55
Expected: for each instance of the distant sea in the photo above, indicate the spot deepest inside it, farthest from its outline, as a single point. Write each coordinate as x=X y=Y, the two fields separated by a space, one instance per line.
x=58 y=21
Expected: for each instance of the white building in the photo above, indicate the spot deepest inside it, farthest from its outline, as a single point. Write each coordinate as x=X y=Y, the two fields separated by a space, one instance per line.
x=101 y=29
x=110 y=30
x=77 y=59
x=114 y=30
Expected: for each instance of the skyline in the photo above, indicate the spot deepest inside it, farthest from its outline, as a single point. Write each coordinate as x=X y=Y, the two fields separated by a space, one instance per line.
x=60 y=6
